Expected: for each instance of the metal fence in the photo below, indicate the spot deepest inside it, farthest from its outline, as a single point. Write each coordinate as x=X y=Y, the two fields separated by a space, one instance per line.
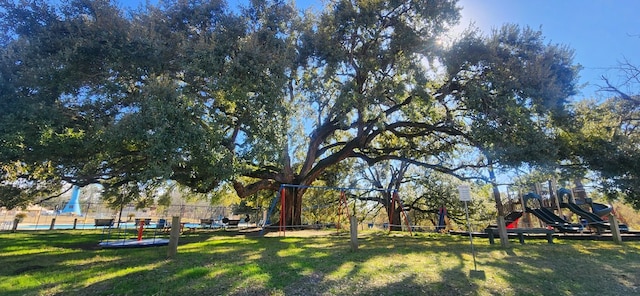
x=89 y=214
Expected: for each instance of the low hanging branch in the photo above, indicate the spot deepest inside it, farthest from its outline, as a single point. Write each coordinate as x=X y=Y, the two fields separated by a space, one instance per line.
x=53 y=196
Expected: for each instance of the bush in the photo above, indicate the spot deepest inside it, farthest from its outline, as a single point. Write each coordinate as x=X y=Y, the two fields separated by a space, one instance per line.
x=20 y=216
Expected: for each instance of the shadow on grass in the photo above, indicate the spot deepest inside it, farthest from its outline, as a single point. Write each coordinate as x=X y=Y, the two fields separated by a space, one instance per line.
x=227 y=263
x=224 y=263
x=597 y=268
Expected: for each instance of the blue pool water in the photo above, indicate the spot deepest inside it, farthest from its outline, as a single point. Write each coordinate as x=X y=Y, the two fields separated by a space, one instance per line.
x=57 y=226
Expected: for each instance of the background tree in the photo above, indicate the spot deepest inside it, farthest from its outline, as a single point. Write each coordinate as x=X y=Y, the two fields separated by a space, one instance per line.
x=52 y=59
x=420 y=193
x=508 y=92
x=178 y=91
x=620 y=172
x=605 y=142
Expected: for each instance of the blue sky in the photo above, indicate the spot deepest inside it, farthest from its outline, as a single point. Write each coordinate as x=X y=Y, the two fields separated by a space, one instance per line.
x=602 y=33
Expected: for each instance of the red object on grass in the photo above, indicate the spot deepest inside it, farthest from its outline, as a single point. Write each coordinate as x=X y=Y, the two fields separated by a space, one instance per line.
x=140 y=230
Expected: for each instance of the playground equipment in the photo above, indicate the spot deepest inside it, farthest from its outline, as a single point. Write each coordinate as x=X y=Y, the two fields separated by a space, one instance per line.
x=73 y=206
x=120 y=240
x=511 y=220
x=551 y=219
x=592 y=218
x=600 y=210
x=342 y=206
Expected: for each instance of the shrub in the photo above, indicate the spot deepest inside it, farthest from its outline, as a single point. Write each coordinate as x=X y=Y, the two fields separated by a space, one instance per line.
x=20 y=216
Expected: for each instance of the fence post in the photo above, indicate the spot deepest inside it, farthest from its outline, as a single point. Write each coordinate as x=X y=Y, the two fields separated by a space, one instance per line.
x=615 y=229
x=173 y=238
x=353 y=223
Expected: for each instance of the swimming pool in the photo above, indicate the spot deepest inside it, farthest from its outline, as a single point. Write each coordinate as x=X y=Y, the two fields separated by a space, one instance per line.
x=58 y=226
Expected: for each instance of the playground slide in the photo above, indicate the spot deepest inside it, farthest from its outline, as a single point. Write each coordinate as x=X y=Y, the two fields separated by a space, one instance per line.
x=600 y=209
x=553 y=220
x=511 y=220
x=592 y=218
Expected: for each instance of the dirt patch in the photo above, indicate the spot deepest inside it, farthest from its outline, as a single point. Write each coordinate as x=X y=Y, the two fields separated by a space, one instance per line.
x=303 y=233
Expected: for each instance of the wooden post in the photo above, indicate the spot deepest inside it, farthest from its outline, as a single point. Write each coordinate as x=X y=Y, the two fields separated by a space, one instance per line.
x=75 y=223
x=353 y=221
x=489 y=233
x=502 y=232
x=615 y=229
x=521 y=237
x=283 y=215
x=172 y=251
x=553 y=190
x=53 y=224
x=526 y=219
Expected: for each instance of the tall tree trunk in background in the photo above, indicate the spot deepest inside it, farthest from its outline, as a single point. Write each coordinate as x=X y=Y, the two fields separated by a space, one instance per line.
x=394 y=215
x=394 y=209
x=120 y=215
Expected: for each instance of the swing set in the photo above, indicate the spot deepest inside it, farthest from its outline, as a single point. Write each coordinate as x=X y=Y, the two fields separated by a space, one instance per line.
x=121 y=240
x=343 y=209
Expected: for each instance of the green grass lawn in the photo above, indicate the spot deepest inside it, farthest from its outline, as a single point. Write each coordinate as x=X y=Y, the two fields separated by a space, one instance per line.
x=226 y=263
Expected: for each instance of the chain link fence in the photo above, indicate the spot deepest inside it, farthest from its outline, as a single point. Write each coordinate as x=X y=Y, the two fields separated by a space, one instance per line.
x=90 y=215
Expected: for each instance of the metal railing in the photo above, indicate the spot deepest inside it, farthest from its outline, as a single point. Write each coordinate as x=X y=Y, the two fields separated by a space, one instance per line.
x=53 y=216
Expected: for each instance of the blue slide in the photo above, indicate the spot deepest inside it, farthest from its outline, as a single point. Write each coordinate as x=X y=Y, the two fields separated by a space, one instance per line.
x=554 y=220
x=547 y=216
x=593 y=219
x=600 y=209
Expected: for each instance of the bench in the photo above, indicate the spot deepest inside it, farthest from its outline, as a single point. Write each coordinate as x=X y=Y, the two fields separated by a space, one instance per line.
x=206 y=223
x=232 y=223
x=147 y=221
x=520 y=233
x=103 y=222
x=162 y=224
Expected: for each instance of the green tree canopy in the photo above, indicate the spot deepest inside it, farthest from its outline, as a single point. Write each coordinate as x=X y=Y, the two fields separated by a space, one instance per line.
x=172 y=92
x=511 y=92
x=605 y=143
x=198 y=93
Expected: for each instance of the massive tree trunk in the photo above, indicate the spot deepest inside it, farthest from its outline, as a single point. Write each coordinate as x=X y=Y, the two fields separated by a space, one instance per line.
x=292 y=205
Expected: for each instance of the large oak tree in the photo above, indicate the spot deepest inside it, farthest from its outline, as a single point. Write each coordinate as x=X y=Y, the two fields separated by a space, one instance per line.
x=198 y=93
